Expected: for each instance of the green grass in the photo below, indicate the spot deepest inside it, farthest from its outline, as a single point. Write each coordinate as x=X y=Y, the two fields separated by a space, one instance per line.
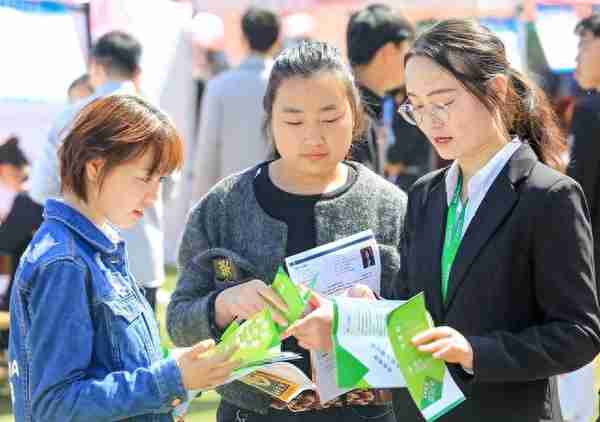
x=202 y=409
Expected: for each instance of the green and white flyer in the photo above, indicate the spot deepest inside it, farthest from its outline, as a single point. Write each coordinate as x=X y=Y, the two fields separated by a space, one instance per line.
x=254 y=339
x=428 y=380
x=362 y=349
x=373 y=348
x=258 y=339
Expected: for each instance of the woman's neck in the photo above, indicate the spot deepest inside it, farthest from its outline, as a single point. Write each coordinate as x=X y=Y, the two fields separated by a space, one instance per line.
x=473 y=162
x=92 y=214
x=290 y=180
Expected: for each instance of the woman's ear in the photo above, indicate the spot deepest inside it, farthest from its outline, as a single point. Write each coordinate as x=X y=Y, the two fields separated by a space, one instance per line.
x=93 y=170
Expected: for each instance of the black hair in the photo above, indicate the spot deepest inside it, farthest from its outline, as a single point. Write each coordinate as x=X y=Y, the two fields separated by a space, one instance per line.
x=119 y=53
x=261 y=28
x=371 y=28
x=10 y=153
x=589 y=24
x=82 y=80
x=475 y=56
x=306 y=60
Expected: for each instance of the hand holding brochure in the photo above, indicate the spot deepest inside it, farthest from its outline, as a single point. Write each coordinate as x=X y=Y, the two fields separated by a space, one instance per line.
x=262 y=363
x=331 y=269
x=290 y=294
x=362 y=349
x=328 y=269
x=429 y=382
x=373 y=347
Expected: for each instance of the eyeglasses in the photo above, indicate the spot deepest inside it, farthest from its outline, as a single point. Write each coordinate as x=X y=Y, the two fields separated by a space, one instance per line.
x=439 y=113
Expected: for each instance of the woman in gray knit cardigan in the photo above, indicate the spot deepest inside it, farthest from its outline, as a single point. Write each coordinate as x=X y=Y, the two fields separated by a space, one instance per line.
x=241 y=231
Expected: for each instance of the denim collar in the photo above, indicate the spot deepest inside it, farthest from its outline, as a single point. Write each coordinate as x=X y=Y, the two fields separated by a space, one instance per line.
x=70 y=217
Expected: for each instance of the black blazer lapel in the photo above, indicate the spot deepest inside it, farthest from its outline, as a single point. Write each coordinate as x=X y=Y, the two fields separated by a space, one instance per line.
x=436 y=210
x=497 y=204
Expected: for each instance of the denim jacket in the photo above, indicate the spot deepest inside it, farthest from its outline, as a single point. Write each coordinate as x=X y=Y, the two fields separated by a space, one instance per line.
x=84 y=345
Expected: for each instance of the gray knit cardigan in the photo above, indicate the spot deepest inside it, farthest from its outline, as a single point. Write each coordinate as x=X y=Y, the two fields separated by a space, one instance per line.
x=229 y=222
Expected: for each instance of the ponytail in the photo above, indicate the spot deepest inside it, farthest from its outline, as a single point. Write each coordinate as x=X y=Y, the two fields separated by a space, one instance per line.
x=530 y=116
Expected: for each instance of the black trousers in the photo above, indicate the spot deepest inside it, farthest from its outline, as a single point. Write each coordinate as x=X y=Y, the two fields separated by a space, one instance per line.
x=230 y=413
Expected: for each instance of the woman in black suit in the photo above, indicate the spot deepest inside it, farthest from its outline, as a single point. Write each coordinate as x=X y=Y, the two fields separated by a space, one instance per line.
x=500 y=241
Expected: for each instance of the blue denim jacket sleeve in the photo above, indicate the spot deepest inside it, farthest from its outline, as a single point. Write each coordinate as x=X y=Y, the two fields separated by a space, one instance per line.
x=61 y=386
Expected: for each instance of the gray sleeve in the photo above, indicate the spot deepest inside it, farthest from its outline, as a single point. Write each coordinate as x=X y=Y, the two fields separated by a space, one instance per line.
x=393 y=216
x=190 y=314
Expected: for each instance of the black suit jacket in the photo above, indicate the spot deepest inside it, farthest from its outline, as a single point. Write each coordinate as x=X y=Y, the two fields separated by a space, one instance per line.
x=521 y=289
x=585 y=159
x=16 y=232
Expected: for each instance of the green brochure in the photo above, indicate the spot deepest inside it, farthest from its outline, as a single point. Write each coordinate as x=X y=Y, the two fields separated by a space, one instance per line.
x=290 y=294
x=372 y=348
x=258 y=339
x=253 y=338
x=362 y=350
x=428 y=380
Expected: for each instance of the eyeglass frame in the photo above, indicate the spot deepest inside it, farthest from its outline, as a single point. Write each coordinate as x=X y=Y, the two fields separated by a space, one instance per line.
x=405 y=108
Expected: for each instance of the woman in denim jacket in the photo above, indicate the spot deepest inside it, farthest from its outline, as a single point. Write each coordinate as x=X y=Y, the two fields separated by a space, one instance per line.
x=84 y=344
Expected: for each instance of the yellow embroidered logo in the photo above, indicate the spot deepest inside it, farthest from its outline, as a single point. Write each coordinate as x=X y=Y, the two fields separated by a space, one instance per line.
x=223 y=269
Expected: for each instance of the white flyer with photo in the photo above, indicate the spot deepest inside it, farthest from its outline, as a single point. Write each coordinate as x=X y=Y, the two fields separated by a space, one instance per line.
x=336 y=266
x=330 y=270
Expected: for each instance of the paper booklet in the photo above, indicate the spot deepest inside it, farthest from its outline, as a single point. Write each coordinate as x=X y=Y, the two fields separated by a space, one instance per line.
x=373 y=348
x=282 y=381
x=329 y=270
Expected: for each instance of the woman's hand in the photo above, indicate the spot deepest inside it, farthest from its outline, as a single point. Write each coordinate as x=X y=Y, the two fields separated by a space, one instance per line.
x=447 y=344
x=360 y=291
x=314 y=330
x=245 y=300
x=200 y=370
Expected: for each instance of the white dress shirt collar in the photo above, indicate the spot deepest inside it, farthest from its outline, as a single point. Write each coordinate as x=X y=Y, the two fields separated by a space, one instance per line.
x=481 y=181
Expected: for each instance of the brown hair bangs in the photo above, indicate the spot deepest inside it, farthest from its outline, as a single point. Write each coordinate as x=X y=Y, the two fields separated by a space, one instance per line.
x=118 y=129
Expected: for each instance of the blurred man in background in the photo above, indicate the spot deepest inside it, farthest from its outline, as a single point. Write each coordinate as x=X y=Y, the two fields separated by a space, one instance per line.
x=19 y=219
x=230 y=135
x=577 y=388
x=80 y=88
x=585 y=125
x=378 y=38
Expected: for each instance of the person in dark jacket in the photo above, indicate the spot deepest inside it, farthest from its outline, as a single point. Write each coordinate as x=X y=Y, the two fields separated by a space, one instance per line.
x=377 y=38
x=584 y=165
x=500 y=242
x=22 y=219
